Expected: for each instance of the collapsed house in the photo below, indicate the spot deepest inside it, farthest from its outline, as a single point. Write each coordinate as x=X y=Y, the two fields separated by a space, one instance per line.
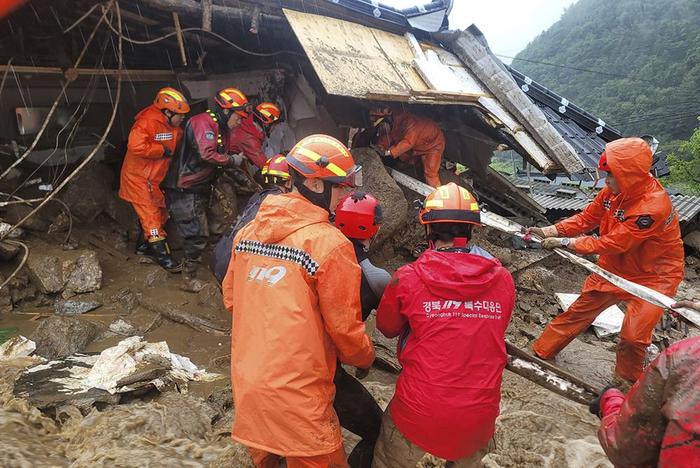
x=325 y=62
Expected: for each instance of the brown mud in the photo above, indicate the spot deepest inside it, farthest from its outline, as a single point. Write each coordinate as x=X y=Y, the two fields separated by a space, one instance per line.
x=192 y=428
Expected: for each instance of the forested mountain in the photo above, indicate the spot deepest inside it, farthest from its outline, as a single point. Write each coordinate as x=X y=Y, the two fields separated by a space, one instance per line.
x=644 y=62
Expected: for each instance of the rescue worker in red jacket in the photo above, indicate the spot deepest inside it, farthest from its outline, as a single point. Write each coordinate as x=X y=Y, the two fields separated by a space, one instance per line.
x=359 y=217
x=451 y=308
x=188 y=185
x=407 y=136
x=658 y=422
x=248 y=138
x=640 y=240
x=293 y=289
x=152 y=142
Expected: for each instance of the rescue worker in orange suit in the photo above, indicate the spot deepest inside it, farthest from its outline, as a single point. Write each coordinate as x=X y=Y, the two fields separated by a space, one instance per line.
x=658 y=422
x=152 y=142
x=293 y=289
x=188 y=185
x=639 y=240
x=275 y=180
x=248 y=138
x=407 y=136
x=359 y=217
x=450 y=310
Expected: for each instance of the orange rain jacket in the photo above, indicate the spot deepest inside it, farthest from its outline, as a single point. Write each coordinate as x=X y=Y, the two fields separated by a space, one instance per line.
x=413 y=136
x=293 y=288
x=640 y=238
x=145 y=163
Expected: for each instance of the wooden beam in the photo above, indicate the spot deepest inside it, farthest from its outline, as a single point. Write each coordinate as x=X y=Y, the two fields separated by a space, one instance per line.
x=206 y=14
x=180 y=39
x=133 y=75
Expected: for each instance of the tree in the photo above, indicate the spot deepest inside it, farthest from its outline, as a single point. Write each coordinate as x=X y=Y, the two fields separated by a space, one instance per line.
x=685 y=165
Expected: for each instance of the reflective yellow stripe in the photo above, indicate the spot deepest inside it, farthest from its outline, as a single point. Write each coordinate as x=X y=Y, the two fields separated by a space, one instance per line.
x=444 y=192
x=312 y=155
x=275 y=172
x=474 y=207
x=434 y=204
x=280 y=159
x=172 y=94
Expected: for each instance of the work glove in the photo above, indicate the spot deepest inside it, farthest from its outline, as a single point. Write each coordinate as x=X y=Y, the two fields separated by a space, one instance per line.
x=552 y=243
x=167 y=153
x=543 y=232
x=594 y=405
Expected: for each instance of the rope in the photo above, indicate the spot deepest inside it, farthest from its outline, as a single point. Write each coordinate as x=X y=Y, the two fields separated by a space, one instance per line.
x=81 y=19
x=21 y=264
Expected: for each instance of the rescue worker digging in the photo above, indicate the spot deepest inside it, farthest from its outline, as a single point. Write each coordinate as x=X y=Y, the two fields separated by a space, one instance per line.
x=293 y=288
x=152 y=142
x=248 y=138
x=406 y=136
x=639 y=240
x=359 y=216
x=450 y=308
x=658 y=422
x=188 y=184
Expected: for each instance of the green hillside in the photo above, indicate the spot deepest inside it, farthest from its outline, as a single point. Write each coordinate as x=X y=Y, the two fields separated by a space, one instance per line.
x=645 y=58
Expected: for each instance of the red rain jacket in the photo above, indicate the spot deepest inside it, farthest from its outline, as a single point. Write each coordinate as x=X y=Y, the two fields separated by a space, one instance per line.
x=658 y=423
x=248 y=139
x=640 y=238
x=145 y=164
x=452 y=310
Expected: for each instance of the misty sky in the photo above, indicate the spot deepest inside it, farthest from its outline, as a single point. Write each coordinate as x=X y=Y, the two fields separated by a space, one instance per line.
x=509 y=25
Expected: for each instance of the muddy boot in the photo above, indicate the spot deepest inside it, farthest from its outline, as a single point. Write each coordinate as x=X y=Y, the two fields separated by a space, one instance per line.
x=190 y=283
x=141 y=243
x=160 y=252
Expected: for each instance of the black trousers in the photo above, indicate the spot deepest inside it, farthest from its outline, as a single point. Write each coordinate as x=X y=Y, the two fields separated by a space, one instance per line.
x=188 y=211
x=359 y=413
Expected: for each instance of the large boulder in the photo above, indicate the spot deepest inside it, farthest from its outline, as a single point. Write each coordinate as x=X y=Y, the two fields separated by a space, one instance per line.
x=83 y=274
x=692 y=240
x=76 y=271
x=379 y=183
x=46 y=272
x=61 y=336
x=90 y=193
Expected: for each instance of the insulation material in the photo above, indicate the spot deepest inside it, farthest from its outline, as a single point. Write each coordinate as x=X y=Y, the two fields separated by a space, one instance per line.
x=609 y=322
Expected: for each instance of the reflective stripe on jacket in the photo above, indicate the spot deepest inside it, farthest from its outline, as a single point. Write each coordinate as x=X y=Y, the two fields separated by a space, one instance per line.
x=293 y=288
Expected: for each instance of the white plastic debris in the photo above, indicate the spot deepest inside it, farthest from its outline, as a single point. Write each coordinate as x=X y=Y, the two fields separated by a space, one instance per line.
x=17 y=346
x=608 y=322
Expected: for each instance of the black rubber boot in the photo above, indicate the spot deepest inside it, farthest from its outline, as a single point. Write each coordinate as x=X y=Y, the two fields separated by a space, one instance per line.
x=190 y=282
x=160 y=252
x=141 y=243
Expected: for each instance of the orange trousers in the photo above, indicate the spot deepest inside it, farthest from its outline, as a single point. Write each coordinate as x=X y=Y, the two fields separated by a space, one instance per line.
x=637 y=328
x=263 y=459
x=152 y=219
x=431 y=166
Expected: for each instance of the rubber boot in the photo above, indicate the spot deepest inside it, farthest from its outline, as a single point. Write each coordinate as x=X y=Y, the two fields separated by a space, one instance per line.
x=190 y=282
x=160 y=252
x=141 y=243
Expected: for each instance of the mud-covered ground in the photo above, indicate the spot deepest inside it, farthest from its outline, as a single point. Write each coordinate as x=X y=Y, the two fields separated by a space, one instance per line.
x=192 y=428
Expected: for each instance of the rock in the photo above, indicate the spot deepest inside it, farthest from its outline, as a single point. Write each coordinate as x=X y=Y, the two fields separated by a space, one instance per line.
x=122 y=327
x=75 y=307
x=121 y=211
x=692 y=240
x=536 y=278
x=224 y=210
x=210 y=297
x=60 y=336
x=236 y=455
x=8 y=251
x=37 y=222
x=156 y=278
x=90 y=192
x=84 y=274
x=127 y=299
x=379 y=183
x=691 y=261
x=46 y=272
x=6 y=228
x=17 y=346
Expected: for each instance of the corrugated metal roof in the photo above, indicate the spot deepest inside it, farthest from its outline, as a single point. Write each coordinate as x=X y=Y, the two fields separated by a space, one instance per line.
x=552 y=202
x=688 y=206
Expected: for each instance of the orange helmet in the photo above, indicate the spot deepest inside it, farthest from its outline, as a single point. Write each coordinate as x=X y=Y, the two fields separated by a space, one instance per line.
x=450 y=204
x=232 y=98
x=267 y=112
x=323 y=157
x=379 y=114
x=275 y=170
x=172 y=100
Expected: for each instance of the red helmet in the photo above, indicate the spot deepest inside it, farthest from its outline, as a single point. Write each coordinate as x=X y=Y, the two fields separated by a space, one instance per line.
x=450 y=204
x=358 y=216
x=275 y=170
x=323 y=157
x=232 y=98
x=172 y=100
x=267 y=112
x=603 y=163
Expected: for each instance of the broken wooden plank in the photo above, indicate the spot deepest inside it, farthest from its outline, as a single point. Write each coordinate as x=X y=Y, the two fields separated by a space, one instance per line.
x=180 y=38
x=185 y=318
x=206 y=14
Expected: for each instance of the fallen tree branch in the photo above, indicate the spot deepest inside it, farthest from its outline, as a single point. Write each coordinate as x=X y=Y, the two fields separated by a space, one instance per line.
x=185 y=318
x=21 y=264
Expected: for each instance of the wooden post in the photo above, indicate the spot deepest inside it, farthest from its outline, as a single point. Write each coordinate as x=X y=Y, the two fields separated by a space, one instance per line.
x=206 y=14
x=180 y=38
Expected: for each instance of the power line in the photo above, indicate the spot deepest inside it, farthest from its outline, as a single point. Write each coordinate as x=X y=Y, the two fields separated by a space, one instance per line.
x=586 y=70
